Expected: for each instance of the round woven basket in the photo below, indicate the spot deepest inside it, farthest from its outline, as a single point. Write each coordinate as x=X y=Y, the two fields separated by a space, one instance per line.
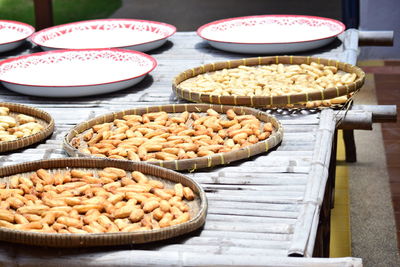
x=198 y=217
x=267 y=101
x=43 y=117
x=186 y=164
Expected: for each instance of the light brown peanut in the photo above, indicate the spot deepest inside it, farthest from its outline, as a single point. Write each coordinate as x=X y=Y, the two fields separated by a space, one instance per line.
x=184 y=217
x=188 y=193
x=136 y=215
x=149 y=206
x=165 y=206
x=6 y=215
x=76 y=206
x=166 y=220
x=70 y=222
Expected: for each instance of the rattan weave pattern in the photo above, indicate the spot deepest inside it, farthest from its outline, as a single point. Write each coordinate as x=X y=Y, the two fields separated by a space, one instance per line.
x=267 y=101
x=107 y=239
x=44 y=118
x=187 y=164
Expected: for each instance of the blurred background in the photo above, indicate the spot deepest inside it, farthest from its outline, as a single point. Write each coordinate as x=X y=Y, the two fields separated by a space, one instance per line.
x=188 y=15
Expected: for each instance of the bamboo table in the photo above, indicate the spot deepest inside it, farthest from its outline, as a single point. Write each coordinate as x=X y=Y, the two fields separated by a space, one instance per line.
x=262 y=210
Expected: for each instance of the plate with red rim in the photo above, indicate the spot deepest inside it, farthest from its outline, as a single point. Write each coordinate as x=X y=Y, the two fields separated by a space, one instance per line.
x=13 y=34
x=271 y=34
x=132 y=34
x=75 y=73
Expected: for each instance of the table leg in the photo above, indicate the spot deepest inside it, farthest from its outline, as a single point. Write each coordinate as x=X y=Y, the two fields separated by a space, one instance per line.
x=332 y=169
x=323 y=238
x=350 y=145
x=43 y=14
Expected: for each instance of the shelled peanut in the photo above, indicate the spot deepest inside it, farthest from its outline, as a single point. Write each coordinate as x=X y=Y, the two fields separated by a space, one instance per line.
x=158 y=136
x=318 y=103
x=77 y=201
x=14 y=127
x=268 y=80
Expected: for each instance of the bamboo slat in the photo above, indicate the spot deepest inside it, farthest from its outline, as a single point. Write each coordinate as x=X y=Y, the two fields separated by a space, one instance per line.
x=175 y=258
x=265 y=205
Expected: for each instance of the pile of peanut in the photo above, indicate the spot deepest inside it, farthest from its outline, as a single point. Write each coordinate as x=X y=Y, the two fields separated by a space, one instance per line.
x=268 y=80
x=158 y=136
x=104 y=201
x=12 y=128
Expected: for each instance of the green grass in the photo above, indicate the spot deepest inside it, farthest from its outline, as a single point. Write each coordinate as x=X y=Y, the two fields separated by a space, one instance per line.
x=64 y=11
x=19 y=10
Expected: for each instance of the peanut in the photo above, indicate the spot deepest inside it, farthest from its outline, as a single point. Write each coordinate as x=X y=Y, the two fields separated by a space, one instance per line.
x=91 y=215
x=149 y=206
x=178 y=190
x=158 y=214
x=7 y=224
x=74 y=230
x=33 y=209
x=139 y=177
x=136 y=215
x=124 y=211
x=6 y=215
x=32 y=217
x=15 y=202
x=184 y=217
x=87 y=207
x=70 y=222
x=166 y=220
x=165 y=206
x=188 y=193
x=143 y=204
x=131 y=227
x=91 y=229
x=20 y=219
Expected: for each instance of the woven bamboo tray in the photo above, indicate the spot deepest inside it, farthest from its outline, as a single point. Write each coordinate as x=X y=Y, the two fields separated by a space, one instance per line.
x=186 y=164
x=267 y=101
x=198 y=206
x=43 y=118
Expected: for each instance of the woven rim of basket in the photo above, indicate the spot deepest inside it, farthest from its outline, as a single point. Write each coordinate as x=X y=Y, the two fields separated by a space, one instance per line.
x=31 y=139
x=263 y=101
x=104 y=239
x=188 y=164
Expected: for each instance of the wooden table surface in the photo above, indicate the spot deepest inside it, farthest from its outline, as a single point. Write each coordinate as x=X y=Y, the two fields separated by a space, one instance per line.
x=261 y=210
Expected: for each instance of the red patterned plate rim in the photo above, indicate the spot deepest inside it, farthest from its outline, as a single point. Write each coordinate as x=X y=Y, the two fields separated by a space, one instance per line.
x=338 y=23
x=35 y=37
x=27 y=27
x=77 y=51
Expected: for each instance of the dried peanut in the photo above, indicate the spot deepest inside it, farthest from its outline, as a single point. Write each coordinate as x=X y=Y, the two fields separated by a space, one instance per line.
x=20 y=219
x=124 y=211
x=131 y=227
x=87 y=207
x=91 y=229
x=188 y=193
x=149 y=206
x=184 y=217
x=70 y=221
x=91 y=215
x=136 y=215
x=166 y=220
x=6 y=215
x=45 y=176
x=139 y=177
x=74 y=230
x=158 y=214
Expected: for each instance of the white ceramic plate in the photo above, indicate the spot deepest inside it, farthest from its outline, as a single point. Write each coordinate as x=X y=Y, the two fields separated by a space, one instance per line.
x=74 y=73
x=13 y=34
x=270 y=34
x=139 y=35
